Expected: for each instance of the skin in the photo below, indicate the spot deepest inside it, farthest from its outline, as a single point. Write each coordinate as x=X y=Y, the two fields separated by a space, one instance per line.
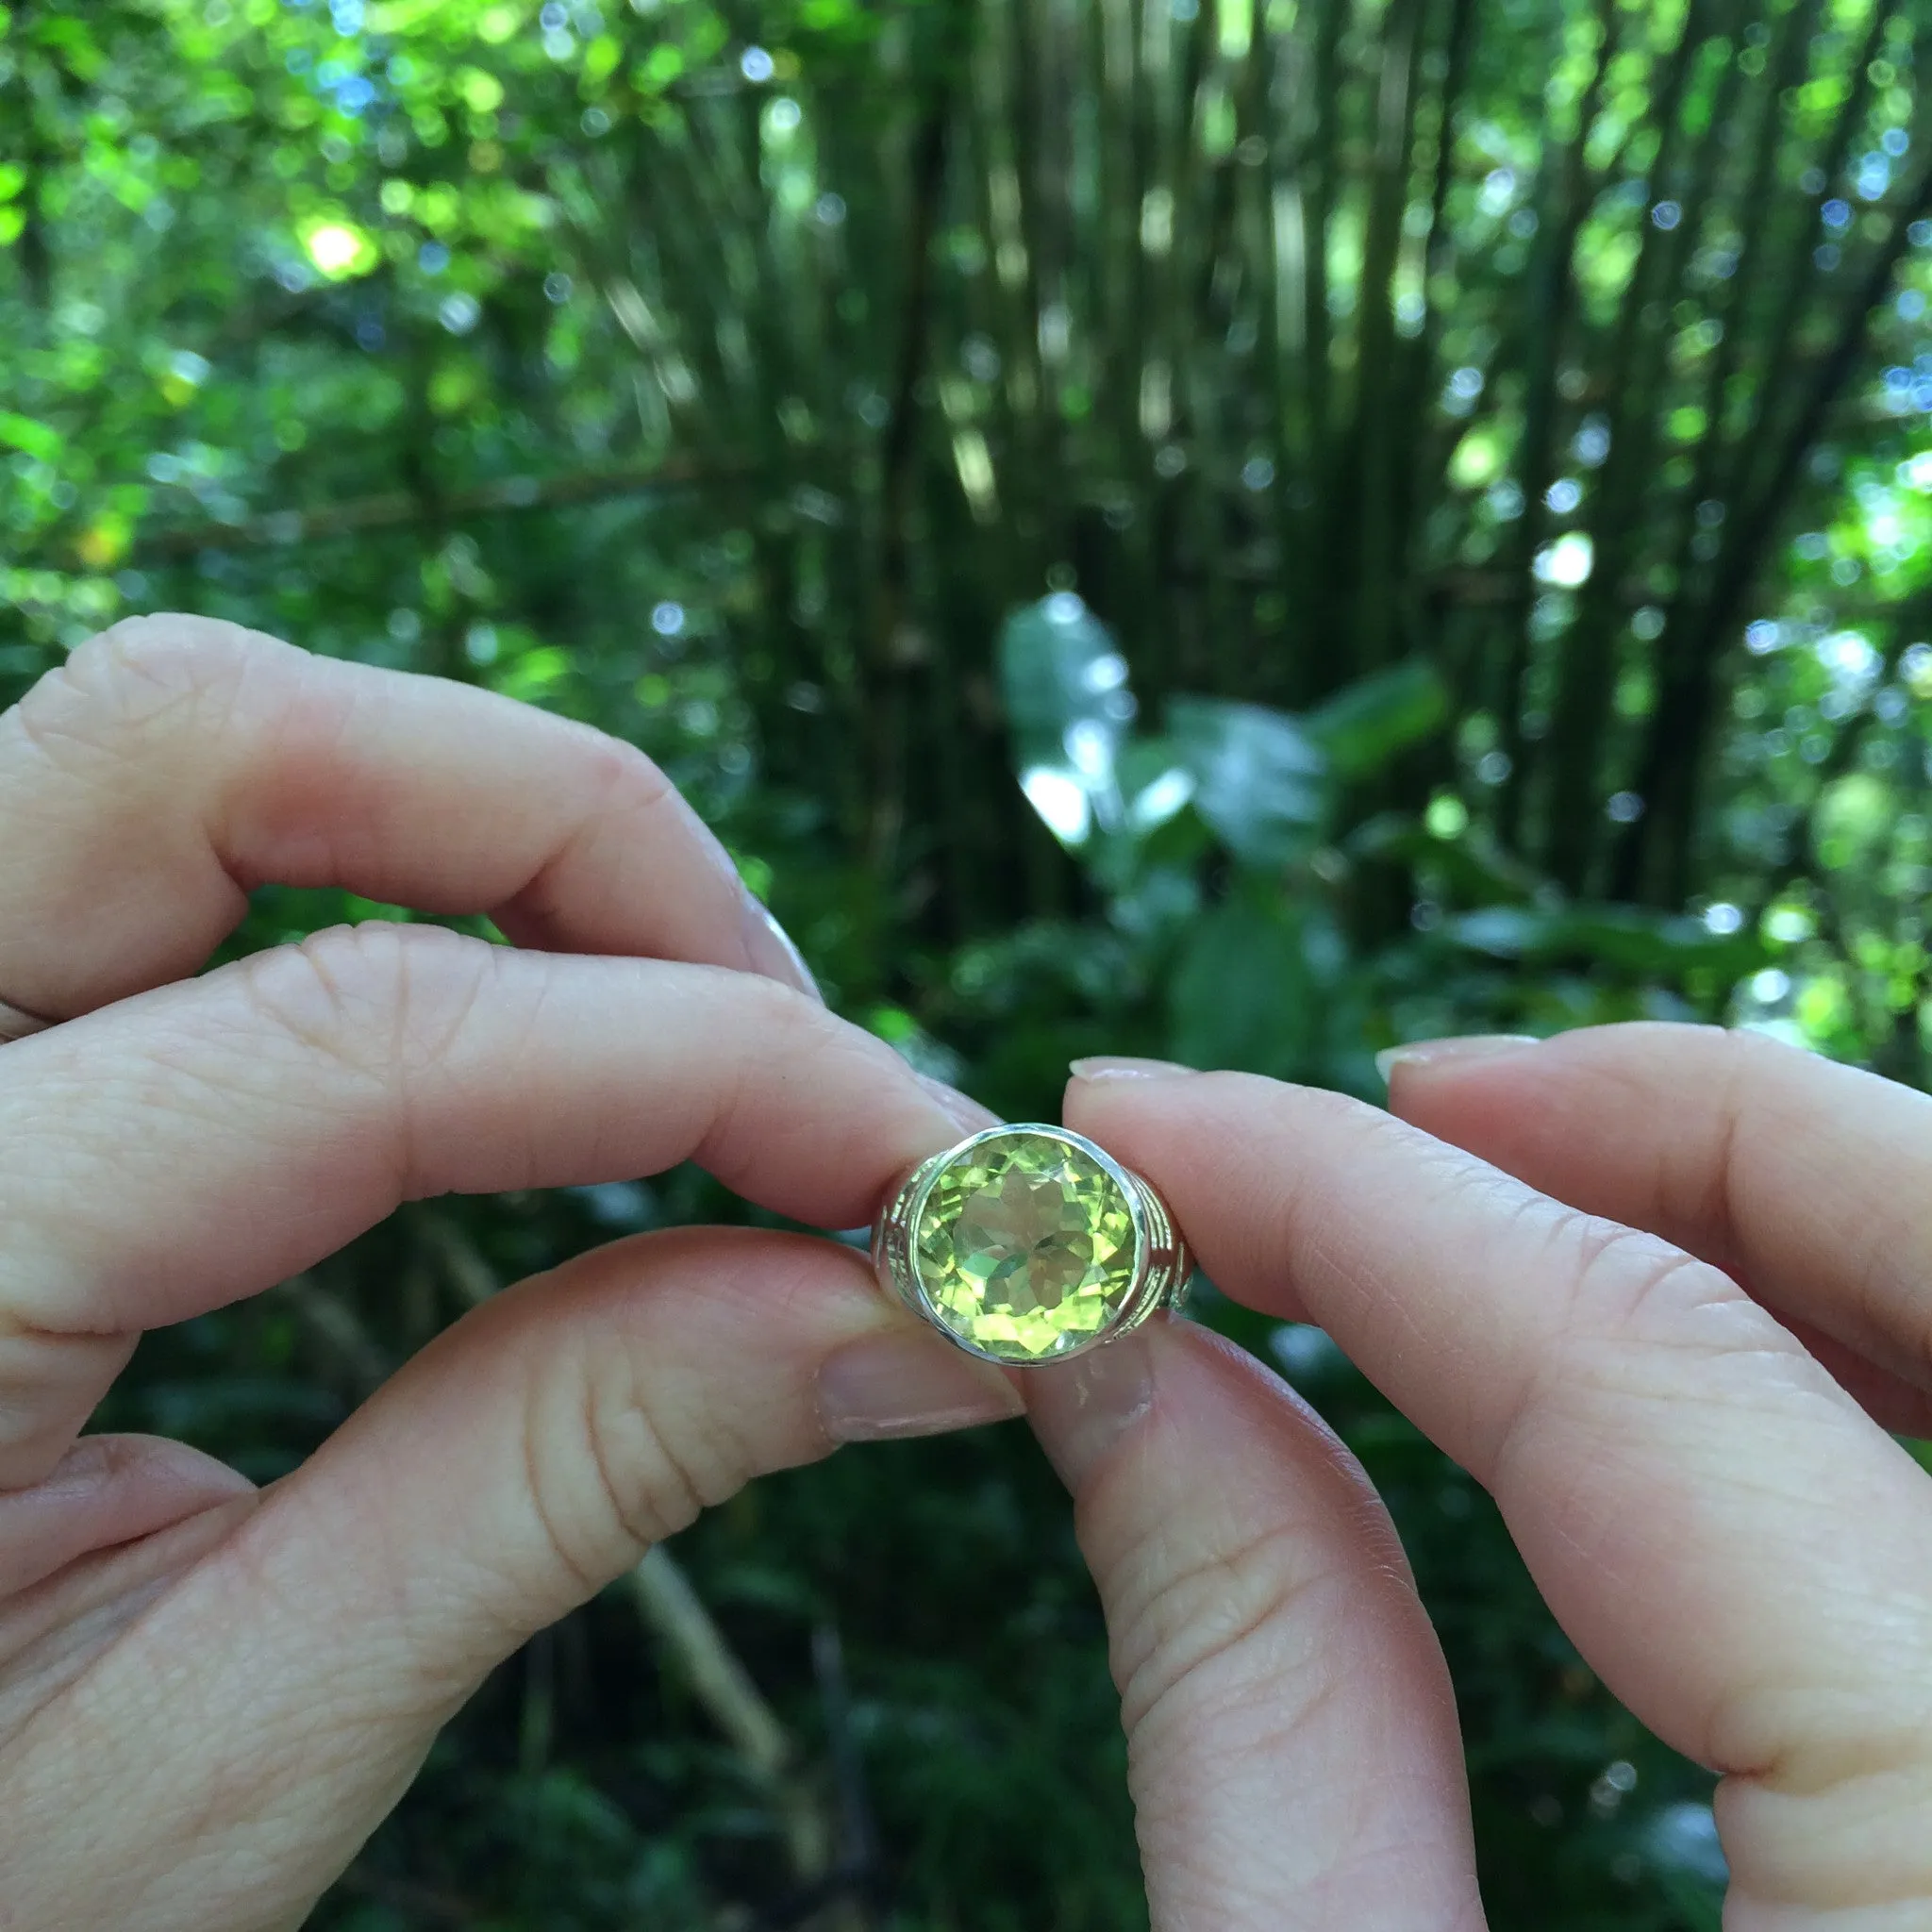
x=1651 y=1284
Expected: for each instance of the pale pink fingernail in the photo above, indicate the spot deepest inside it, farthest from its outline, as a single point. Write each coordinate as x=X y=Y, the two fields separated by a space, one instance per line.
x=910 y=1384
x=1468 y=1046
x=769 y=949
x=1083 y=1407
x=1123 y=1067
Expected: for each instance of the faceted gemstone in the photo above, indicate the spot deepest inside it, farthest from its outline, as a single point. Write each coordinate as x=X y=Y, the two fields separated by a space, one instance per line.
x=1024 y=1246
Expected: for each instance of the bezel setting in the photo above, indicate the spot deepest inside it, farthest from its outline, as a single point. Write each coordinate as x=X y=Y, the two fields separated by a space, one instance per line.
x=1158 y=1275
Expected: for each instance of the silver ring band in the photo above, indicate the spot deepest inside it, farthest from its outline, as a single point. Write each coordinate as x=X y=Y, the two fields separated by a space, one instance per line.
x=16 y=1023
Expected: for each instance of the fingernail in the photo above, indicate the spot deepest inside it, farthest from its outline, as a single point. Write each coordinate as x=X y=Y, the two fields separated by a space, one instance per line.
x=1083 y=1407
x=910 y=1384
x=1110 y=1067
x=1469 y=1046
x=961 y=1109
x=769 y=949
x=86 y=1466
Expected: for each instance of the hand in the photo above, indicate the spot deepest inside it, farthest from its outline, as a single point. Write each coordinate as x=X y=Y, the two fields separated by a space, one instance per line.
x=209 y=1696
x=1657 y=1288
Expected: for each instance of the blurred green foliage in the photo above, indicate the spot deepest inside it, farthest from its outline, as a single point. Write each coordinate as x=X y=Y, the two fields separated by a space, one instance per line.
x=1245 y=529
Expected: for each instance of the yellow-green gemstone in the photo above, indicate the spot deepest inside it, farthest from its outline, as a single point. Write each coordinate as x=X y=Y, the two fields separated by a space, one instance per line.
x=1024 y=1247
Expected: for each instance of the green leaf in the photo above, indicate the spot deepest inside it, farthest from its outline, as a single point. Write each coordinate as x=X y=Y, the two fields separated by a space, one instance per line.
x=40 y=440
x=1472 y=868
x=1061 y=668
x=1365 y=724
x=1065 y=688
x=1621 y=936
x=1260 y=781
x=1244 y=992
x=533 y=674
x=1853 y=822
x=75 y=42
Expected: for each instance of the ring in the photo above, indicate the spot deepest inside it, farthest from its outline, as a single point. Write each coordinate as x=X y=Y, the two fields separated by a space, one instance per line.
x=1027 y=1245
x=16 y=1023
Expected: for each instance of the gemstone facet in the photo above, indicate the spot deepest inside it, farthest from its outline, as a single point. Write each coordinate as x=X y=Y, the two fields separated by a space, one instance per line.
x=1024 y=1244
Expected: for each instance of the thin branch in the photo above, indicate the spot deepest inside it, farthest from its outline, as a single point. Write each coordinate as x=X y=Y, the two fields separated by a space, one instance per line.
x=394 y=508
x=677 y=1617
x=330 y=1321
x=857 y=1834
x=462 y=1260
x=423 y=1900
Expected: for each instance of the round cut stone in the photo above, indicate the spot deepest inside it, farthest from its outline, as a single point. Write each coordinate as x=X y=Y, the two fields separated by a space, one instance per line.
x=1024 y=1246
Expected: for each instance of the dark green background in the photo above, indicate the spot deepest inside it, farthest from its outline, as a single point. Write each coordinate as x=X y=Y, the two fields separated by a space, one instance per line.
x=1488 y=441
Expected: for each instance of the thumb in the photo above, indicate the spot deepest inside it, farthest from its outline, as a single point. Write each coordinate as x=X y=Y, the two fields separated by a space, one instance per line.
x=519 y=1464
x=1292 y=1741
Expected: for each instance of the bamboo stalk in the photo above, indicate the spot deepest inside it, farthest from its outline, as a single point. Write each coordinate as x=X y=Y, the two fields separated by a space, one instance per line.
x=1673 y=772
x=1585 y=665
x=1372 y=461
x=888 y=718
x=1411 y=409
x=1754 y=204
x=1565 y=193
x=1797 y=284
x=1318 y=167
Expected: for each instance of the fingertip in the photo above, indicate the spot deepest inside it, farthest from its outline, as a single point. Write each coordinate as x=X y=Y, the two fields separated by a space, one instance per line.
x=1172 y=1373
x=962 y=1109
x=907 y=1381
x=1099 y=1069
x=189 y=1470
x=1083 y=1410
x=771 y=950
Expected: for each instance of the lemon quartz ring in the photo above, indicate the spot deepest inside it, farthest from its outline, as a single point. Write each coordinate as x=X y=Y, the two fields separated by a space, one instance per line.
x=1027 y=1243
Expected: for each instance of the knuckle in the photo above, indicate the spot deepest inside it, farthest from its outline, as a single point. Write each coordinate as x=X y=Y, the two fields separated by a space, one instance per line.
x=1206 y=1634
x=616 y=785
x=143 y=676
x=173 y=653
x=619 y=778
x=1632 y=1284
x=1643 y=1323
x=1839 y=1832
x=380 y=999
x=612 y=1469
x=776 y=1036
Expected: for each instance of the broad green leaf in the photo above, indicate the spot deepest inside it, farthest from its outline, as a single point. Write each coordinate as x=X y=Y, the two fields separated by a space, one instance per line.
x=1365 y=724
x=1247 y=993
x=1065 y=687
x=1260 y=781
x=1620 y=936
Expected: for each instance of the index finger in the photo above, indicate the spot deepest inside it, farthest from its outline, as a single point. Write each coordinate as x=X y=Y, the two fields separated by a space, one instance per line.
x=1805 y=1177
x=190 y=1146
x=1737 y=1548
x=174 y=763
